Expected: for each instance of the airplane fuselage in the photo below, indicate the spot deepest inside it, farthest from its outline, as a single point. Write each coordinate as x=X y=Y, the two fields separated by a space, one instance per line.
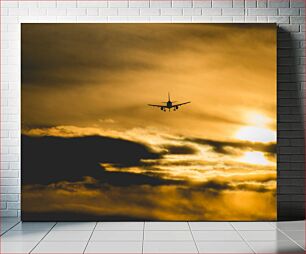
x=169 y=104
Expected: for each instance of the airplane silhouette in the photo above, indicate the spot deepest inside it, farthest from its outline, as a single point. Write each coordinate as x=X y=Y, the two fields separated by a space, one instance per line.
x=169 y=105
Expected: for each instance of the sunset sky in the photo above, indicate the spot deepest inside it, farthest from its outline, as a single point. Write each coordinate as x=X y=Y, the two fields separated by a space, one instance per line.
x=85 y=90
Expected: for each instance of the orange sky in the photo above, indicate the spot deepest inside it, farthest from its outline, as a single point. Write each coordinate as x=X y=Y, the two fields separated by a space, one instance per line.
x=97 y=79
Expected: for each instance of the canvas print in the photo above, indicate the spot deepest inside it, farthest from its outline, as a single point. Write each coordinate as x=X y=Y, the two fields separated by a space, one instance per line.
x=156 y=122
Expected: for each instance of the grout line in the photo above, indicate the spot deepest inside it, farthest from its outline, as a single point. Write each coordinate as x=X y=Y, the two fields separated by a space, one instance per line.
x=193 y=237
x=290 y=238
x=143 y=232
x=42 y=238
x=247 y=243
x=90 y=236
x=10 y=228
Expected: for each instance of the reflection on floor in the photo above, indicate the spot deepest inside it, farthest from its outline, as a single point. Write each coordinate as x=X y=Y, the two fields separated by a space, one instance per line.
x=152 y=237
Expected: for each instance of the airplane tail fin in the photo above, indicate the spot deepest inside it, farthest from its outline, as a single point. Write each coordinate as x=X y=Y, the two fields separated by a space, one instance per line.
x=168 y=96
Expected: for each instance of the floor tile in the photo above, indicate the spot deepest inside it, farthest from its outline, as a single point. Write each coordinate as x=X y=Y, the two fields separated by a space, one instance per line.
x=74 y=226
x=164 y=235
x=223 y=247
x=295 y=234
x=169 y=247
x=9 y=220
x=5 y=226
x=274 y=235
x=298 y=236
x=166 y=226
x=68 y=236
x=98 y=236
x=114 y=247
x=253 y=226
x=120 y=226
x=23 y=236
x=210 y=226
x=17 y=247
x=276 y=247
x=33 y=226
x=216 y=236
x=60 y=247
x=291 y=225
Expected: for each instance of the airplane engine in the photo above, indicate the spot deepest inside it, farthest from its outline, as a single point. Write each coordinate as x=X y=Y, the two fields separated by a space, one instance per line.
x=176 y=107
x=161 y=108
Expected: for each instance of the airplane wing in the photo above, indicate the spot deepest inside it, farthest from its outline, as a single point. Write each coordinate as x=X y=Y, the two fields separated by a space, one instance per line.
x=180 y=104
x=159 y=106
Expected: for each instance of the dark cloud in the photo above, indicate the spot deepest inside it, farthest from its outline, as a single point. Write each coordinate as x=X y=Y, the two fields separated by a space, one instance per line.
x=51 y=159
x=180 y=149
x=221 y=146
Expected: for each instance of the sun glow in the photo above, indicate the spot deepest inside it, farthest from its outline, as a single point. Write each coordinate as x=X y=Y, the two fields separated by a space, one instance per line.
x=256 y=134
x=254 y=158
x=257 y=130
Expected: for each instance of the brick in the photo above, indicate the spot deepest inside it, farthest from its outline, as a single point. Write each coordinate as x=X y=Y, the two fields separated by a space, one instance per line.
x=262 y=3
x=160 y=19
x=66 y=4
x=291 y=150
x=279 y=19
x=278 y=3
x=9 y=213
x=182 y=19
x=202 y=3
x=192 y=11
x=290 y=174
x=160 y=4
x=9 y=4
x=171 y=11
x=297 y=20
x=238 y=19
x=291 y=198
x=291 y=189
x=211 y=12
x=76 y=12
x=128 y=12
x=182 y=3
x=118 y=4
x=201 y=19
x=222 y=3
x=18 y=12
x=9 y=173
x=262 y=19
x=13 y=205
x=233 y=12
x=289 y=11
x=297 y=3
x=291 y=182
x=289 y=28
x=47 y=4
x=90 y=4
x=297 y=142
x=139 y=4
x=57 y=12
x=9 y=181
x=92 y=11
x=38 y=11
x=250 y=3
x=3 y=205
x=9 y=197
x=262 y=12
x=10 y=189
x=222 y=19
x=238 y=3
x=150 y=11
x=108 y=11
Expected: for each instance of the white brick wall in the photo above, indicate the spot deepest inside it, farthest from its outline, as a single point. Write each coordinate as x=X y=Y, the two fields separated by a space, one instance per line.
x=288 y=13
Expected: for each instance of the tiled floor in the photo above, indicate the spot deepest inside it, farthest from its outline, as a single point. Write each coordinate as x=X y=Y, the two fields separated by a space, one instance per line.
x=152 y=237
